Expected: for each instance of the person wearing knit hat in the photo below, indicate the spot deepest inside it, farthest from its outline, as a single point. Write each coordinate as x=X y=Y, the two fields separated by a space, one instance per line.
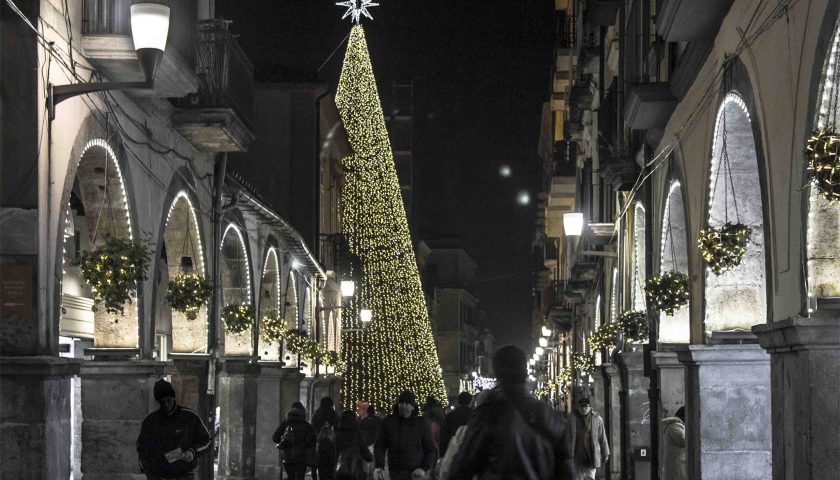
x=406 y=440
x=171 y=438
x=512 y=434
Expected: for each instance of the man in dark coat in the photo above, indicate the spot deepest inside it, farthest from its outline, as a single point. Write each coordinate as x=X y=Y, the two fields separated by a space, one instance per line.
x=406 y=439
x=455 y=419
x=370 y=426
x=325 y=415
x=171 y=438
x=295 y=438
x=512 y=435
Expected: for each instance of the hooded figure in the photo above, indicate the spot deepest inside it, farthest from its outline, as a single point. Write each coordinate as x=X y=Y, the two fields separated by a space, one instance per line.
x=295 y=438
x=351 y=448
x=406 y=439
x=171 y=438
x=673 y=435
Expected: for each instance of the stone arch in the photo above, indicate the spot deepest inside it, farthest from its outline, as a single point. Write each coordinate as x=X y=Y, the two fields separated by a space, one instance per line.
x=674 y=257
x=95 y=205
x=736 y=300
x=639 y=267
x=823 y=220
x=236 y=285
x=181 y=251
x=270 y=298
x=290 y=313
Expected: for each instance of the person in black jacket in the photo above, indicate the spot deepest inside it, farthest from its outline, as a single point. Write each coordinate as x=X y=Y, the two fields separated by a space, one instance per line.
x=513 y=435
x=351 y=448
x=406 y=439
x=295 y=438
x=370 y=426
x=171 y=438
x=325 y=415
x=455 y=419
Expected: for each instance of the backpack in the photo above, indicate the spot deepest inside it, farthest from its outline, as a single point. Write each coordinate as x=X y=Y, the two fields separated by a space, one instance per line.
x=326 y=444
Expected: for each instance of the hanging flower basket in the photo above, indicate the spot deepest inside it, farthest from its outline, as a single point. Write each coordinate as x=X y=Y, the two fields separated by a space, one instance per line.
x=583 y=363
x=187 y=293
x=823 y=163
x=723 y=248
x=113 y=270
x=606 y=337
x=273 y=327
x=238 y=318
x=667 y=292
x=635 y=326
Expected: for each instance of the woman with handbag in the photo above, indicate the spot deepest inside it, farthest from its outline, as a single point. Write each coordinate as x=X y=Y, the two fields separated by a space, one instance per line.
x=351 y=448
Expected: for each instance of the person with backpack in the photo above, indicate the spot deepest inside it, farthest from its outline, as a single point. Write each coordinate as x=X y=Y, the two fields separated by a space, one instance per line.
x=296 y=439
x=512 y=434
x=325 y=416
x=351 y=448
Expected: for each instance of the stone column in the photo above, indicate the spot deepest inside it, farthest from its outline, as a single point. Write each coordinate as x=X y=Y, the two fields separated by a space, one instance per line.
x=613 y=382
x=727 y=411
x=805 y=353
x=307 y=397
x=35 y=412
x=189 y=378
x=671 y=376
x=290 y=388
x=637 y=414
x=116 y=397
x=238 y=420
x=269 y=418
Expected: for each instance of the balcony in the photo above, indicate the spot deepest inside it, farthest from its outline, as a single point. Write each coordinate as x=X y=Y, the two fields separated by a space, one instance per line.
x=107 y=44
x=686 y=20
x=649 y=105
x=217 y=118
x=561 y=319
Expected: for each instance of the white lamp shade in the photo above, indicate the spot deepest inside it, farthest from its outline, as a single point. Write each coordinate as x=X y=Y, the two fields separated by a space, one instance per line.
x=543 y=342
x=573 y=224
x=149 y=25
x=348 y=288
x=540 y=351
x=546 y=332
x=366 y=315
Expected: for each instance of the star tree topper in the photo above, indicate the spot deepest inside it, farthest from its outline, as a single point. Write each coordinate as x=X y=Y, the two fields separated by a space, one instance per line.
x=357 y=8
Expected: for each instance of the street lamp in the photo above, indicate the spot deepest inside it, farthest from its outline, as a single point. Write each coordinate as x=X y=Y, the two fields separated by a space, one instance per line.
x=546 y=332
x=348 y=288
x=149 y=30
x=543 y=342
x=365 y=315
x=540 y=351
x=573 y=224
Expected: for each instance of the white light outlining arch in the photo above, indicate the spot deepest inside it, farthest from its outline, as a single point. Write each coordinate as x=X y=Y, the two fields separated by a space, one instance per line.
x=245 y=256
x=272 y=254
x=99 y=142
x=639 y=272
x=182 y=195
x=674 y=186
x=732 y=98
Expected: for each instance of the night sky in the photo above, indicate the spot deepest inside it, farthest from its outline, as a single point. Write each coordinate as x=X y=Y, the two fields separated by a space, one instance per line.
x=481 y=71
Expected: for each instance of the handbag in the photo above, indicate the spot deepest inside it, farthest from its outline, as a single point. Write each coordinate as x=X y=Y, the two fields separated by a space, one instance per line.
x=350 y=463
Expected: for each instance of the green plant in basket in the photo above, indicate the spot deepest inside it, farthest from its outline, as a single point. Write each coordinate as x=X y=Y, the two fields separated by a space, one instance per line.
x=667 y=292
x=635 y=326
x=723 y=248
x=238 y=318
x=187 y=293
x=113 y=270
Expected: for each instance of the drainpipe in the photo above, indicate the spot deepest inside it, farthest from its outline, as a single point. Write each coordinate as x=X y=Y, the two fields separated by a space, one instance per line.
x=219 y=171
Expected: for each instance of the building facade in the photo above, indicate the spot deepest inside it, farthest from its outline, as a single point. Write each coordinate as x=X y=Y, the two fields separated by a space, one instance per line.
x=667 y=121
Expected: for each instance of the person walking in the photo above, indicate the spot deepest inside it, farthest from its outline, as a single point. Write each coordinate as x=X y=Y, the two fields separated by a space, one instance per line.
x=407 y=441
x=350 y=446
x=171 y=438
x=434 y=416
x=325 y=419
x=295 y=438
x=454 y=420
x=589 y=441
x=370 y=426
x=512 y=434
x=674 y=435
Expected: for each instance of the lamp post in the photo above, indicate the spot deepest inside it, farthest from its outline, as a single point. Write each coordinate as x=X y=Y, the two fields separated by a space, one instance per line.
x=149 y=30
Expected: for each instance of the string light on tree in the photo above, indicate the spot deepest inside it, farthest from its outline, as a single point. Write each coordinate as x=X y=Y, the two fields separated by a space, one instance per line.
x=396 y=350
x=357 y=8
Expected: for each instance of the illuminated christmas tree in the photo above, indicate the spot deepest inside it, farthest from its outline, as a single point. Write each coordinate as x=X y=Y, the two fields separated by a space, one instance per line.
x=396 y=350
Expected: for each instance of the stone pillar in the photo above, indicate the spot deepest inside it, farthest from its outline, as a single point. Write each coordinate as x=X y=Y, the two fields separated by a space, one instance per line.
x=116 y=397
x=35 y=412
x=269 y=418
x=727 y=411
x=613 y=417
x=805 y=353
x=189 y=378
x=671 y=376
x=637 y=414
x=238 y=420
x=306 y=395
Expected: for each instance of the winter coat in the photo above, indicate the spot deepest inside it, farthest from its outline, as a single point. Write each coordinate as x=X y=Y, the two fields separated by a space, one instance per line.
x=408 y=443
x=512 y=435
x=673 y=461
x=303 y=451
x=161 y=433
x=323 y=415
x=346 y=440
x=598 y=438
x=370 y=429
x=454 y=420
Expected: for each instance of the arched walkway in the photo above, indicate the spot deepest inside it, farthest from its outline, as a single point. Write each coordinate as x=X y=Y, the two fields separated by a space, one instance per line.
x=674 y=258
x=639 y=273
x=269 y=304
x=290 y=314
x=236 y=286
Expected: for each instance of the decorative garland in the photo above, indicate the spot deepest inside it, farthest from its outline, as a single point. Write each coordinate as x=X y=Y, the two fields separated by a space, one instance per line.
x=667 y=292
x=238 y=317
x=273 y=327
x=561 y=382
x=606 y=337
x=113 y=270
x=583 y=363
x=723 y=248
x=299 y=343
x=635 y=326
x=187 y=293
x=824 y=163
